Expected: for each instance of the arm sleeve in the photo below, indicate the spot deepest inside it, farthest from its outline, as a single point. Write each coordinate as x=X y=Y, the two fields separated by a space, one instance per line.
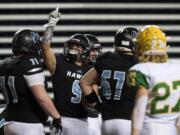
x=32 y=70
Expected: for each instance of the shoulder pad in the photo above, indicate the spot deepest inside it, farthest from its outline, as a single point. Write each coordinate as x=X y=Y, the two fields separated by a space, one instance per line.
x=31 y=65
x=8 y=62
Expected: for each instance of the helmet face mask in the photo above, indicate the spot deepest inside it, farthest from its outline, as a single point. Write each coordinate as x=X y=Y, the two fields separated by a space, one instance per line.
x=76 y=48
x=27 y=42
x=125 y=38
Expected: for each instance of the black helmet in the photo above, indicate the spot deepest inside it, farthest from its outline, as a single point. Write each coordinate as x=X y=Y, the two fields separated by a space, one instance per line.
x=77 y=39
x=125 y=38
x=27 y=41
x=94 y=45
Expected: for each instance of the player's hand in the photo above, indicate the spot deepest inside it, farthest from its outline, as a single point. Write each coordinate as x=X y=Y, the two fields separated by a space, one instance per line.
x=56 y=127
x=54 y=17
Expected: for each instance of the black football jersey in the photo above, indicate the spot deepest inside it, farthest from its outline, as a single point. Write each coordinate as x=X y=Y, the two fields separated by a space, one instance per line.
x=67 y=92
x=118 y=100
x=21 y=104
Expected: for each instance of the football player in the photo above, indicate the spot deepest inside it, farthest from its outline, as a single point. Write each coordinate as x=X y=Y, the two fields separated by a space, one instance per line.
x=156 y=81
x=110 y=71
x=94 y=117
x=66 y=70
x=23 y=86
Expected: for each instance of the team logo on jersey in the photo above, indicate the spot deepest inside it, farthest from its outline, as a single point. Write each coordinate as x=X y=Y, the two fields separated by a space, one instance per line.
x=73 y=75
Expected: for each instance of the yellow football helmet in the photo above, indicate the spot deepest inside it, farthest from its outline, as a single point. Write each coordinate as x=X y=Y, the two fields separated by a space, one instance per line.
x=151 y=41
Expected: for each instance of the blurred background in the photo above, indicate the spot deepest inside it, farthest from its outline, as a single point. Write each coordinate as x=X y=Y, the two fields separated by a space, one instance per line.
x=99 y=17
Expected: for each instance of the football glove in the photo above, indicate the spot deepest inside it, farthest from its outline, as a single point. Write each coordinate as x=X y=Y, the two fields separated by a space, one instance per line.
x=54 y=17
x=56 y=127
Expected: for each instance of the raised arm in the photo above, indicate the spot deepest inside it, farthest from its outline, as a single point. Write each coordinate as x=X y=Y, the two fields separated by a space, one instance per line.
x=49 y=56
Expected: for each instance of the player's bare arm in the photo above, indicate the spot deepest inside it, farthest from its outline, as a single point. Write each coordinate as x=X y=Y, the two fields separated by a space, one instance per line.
x=36 y=85
x=139 y=110
x=44 y=100
x=47 y=105
x=87 y=83
x=178 y=124
x=88 y=80
x=95 y=87
x=49 y=56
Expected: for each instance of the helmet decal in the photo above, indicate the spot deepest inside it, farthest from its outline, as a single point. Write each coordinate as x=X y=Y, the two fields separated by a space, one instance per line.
x=35 y=37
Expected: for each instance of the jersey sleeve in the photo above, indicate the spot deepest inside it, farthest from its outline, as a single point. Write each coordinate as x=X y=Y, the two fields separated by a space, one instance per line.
x=32 y=70
x=135 y=79
x=31 y=65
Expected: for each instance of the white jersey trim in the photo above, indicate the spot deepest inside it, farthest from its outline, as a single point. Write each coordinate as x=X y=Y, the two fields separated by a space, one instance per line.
x=34 y=70
x=35 y=79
